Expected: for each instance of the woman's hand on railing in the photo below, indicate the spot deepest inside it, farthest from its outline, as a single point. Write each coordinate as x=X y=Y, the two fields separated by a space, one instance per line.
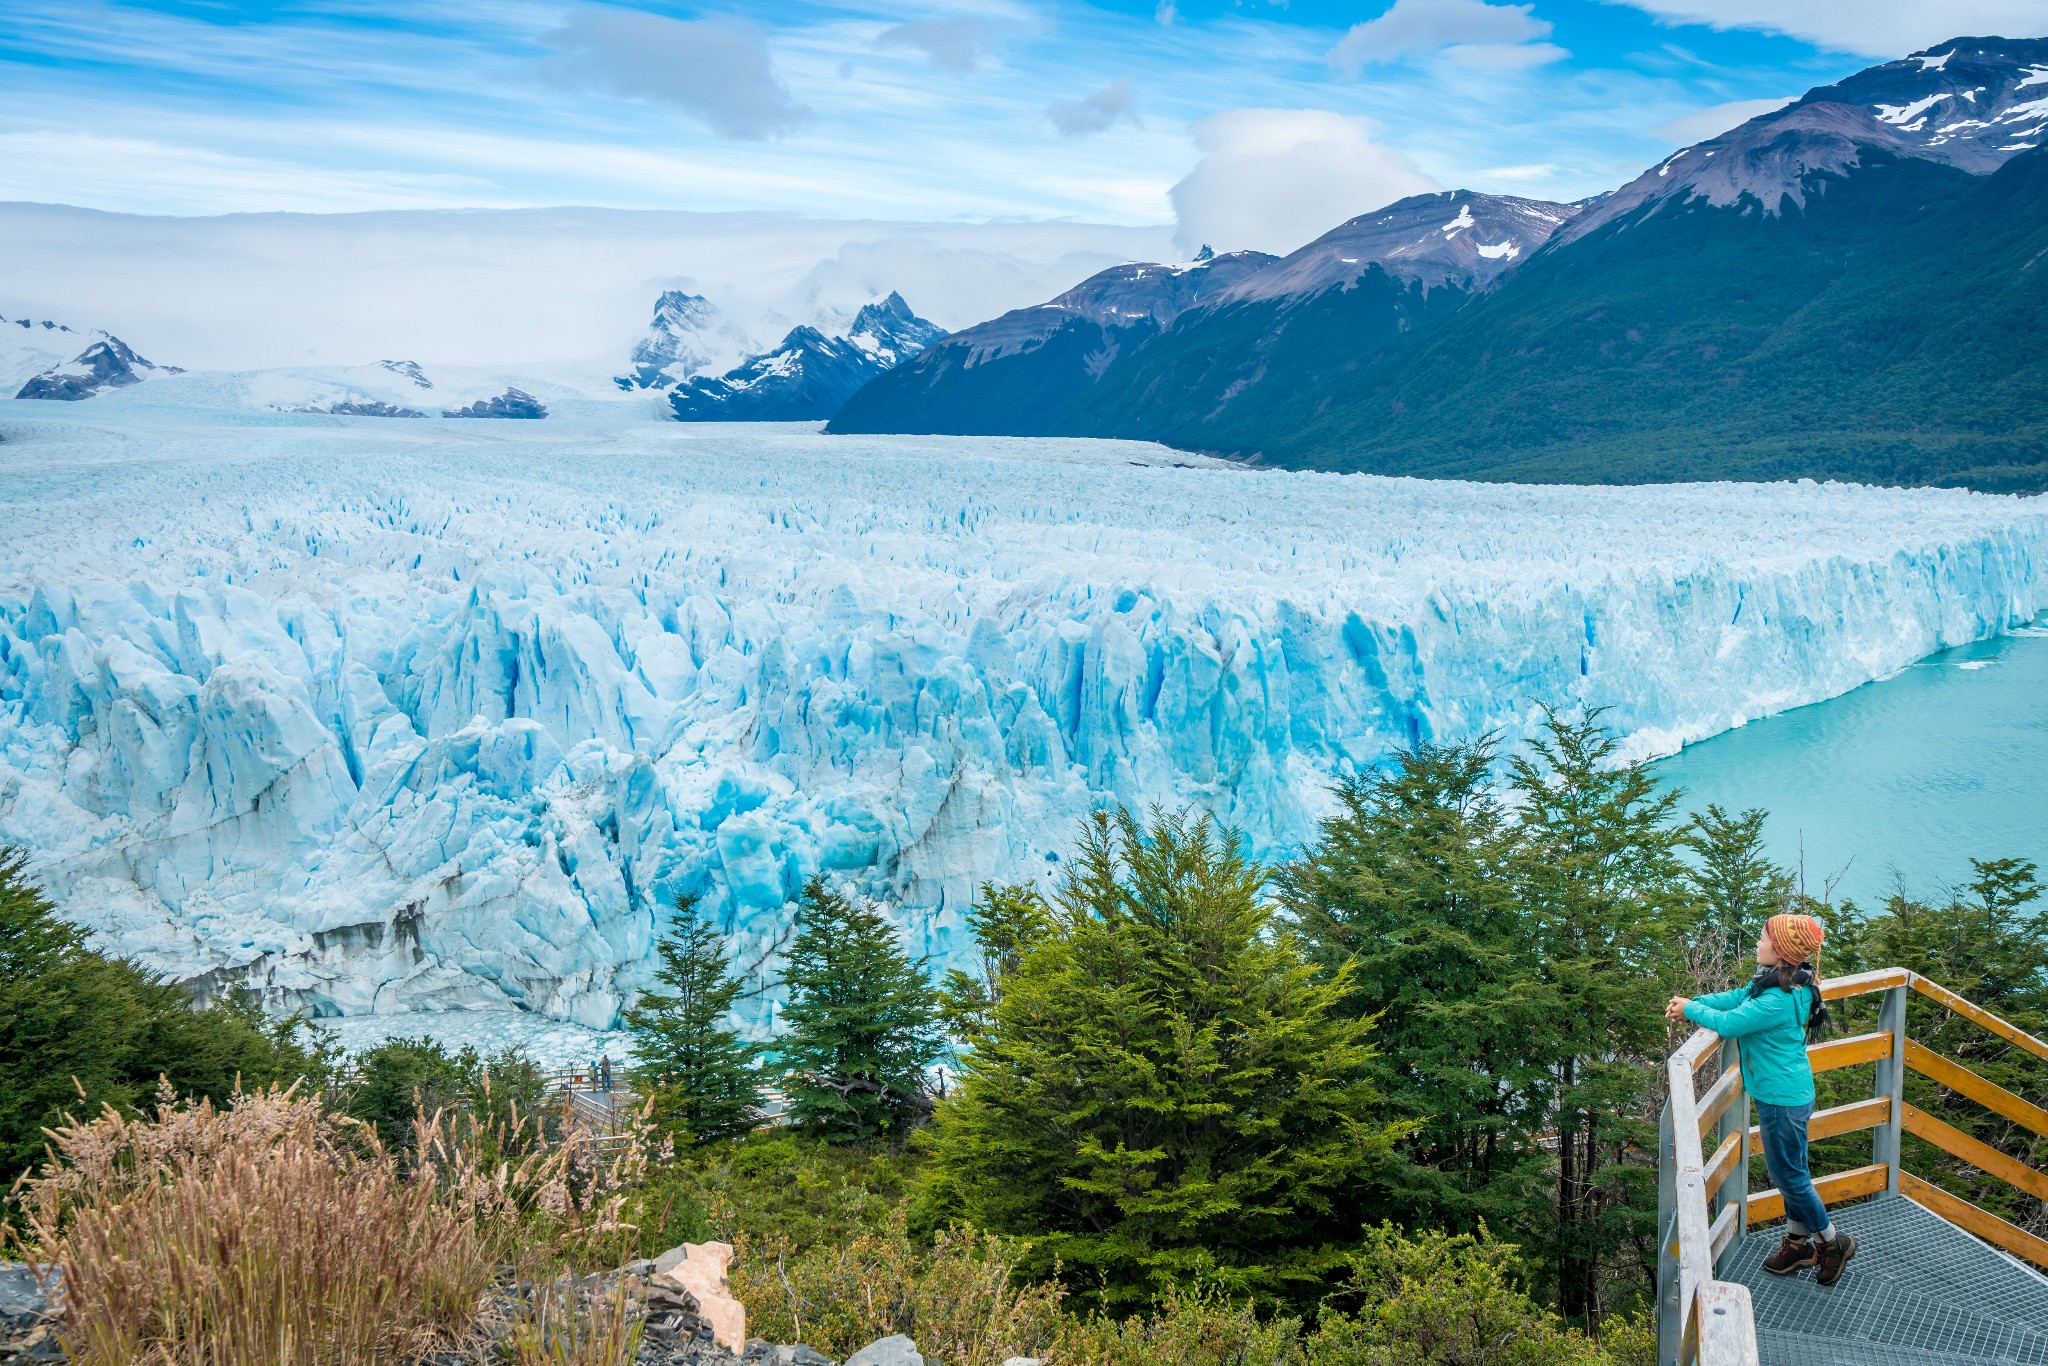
x=1675 y=1011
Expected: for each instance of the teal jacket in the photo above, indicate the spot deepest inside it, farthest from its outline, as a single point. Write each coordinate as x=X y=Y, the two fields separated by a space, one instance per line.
x=1770 y=1030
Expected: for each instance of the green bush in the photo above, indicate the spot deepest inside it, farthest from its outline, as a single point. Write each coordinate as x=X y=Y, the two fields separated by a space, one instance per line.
x=80 y=1030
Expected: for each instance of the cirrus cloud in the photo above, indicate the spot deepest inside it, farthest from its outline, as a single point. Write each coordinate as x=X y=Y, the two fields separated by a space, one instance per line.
x=1870 y=28
x=716 y=70
x=954 y=46
x=1094 y=113
x=1471 y=30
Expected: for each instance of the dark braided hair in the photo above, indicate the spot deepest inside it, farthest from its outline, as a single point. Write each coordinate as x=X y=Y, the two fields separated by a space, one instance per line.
x=1788 y=977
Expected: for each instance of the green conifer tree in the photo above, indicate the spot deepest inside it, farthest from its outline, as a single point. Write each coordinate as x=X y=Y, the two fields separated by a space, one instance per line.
x=1598 y=874
x=1168 y=1094
x=79 y=1030
x=1409 y=887
x=862 y=1021
x=1005 y=923
x=1735 y=887
x=703 y=1079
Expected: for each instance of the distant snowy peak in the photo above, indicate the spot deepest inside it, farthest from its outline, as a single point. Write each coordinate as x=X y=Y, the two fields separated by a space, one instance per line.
x=1130 y=295
x=1971 y=103
x=810 y=374
x=407 y=369
x=890 y=333
x=688 y=336
x=107 y=363
x=1455 y=238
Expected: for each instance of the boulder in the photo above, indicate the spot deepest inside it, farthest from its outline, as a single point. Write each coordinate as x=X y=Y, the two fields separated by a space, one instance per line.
x=890 y=1351
x=698 y=1269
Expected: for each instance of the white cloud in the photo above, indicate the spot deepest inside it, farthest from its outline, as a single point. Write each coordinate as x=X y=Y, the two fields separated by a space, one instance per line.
x=1687 y=129
x=1272 y=179
x=561 y=289
x=717 y=70
x=954 y=46
x=1870 y=28
x=1094 y=113
x=1474 y=30
x=1166 y=13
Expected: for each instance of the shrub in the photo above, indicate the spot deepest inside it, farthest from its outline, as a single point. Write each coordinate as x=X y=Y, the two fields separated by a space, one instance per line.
x=957 y=1297
x=274 y=1233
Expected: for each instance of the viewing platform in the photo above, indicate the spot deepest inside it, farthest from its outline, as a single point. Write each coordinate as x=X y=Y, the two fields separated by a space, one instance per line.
x=1935 y=1278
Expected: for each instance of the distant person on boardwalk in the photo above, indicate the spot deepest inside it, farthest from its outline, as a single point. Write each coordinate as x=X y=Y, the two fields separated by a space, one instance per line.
x=604 y=1073
x=1772 y=1020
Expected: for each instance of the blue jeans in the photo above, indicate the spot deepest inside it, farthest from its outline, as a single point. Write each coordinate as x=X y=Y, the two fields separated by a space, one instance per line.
x=1784 y=1136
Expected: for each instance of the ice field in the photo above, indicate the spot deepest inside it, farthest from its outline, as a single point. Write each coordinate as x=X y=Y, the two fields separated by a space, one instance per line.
x=390 y=716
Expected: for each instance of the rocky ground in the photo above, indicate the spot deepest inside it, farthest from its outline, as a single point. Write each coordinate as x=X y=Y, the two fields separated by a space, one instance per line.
x=679 y=1326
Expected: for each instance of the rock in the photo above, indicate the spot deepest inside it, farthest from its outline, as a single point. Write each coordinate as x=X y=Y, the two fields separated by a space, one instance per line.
x=761 y=1353
x=699 y=1269
x=1022 y=1361
x=890 y=1351
x=511 y=403
x=28 y=1320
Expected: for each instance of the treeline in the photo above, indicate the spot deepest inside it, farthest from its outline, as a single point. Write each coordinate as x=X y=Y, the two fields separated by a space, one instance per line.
x=1183 y=1078
x=1185 y=1067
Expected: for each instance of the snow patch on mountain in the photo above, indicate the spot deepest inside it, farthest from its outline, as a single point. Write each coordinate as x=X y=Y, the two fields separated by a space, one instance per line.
x=1899 y=107
x=390 y=716
x=810 y=375
x=688 y=336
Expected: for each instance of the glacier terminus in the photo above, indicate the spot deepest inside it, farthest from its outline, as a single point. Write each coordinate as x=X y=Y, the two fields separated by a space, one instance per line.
x=382 y=717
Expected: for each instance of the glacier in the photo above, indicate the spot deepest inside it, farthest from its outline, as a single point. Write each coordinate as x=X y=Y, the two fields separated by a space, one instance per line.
x=384 y=718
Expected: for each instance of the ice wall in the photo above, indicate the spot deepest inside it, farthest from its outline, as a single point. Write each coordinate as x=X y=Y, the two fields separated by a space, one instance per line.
x=385 y=720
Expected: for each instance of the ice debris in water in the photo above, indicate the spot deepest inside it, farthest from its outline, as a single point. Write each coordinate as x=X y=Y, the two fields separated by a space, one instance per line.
x=443 y=717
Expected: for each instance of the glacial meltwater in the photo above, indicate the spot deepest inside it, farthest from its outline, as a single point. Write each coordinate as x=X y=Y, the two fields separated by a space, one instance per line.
x=1906 y=778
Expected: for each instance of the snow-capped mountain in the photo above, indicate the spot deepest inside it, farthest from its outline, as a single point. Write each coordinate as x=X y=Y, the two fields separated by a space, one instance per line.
x=1140 y=294
x=1191 y=352
x=51 y=361
x=1972 y=103
x=1457 y=238
x=689 y=336
x=809 y=375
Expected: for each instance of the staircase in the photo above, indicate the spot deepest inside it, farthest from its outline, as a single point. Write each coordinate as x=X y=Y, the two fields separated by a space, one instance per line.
x=1936 y=1279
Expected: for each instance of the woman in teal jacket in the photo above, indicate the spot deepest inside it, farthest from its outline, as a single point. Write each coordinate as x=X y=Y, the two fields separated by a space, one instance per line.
x=1771 y=1021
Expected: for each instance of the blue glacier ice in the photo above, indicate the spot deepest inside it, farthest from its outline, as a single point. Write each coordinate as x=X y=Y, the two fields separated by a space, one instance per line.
x=389 y=717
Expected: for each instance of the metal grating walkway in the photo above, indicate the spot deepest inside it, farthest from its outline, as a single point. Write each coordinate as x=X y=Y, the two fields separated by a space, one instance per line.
x=1920 y=1291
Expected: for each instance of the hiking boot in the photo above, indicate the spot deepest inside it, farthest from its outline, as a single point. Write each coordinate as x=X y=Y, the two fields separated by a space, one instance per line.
x=1792 y=1254
x=1832 y=1258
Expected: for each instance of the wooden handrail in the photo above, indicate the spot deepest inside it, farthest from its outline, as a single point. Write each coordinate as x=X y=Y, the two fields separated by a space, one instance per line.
x=1963 y=1081
x=1970 y=1219
x=1976 y=1014
x=1826 y=1057
x=1853 y=1184
x=1977 y=1153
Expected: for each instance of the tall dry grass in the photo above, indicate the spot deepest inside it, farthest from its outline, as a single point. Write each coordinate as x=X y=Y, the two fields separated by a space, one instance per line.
x=273 y=1233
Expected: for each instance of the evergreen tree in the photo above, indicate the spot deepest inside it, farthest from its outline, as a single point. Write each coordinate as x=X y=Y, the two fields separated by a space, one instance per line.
x=1735 y=889
x=1006 y=922
x=79 y=1030
x=1168 y=1092
x=1598 y=873
x=703 y=1079
x=1409 y=887
x=1988 y=942
x=862 y=1020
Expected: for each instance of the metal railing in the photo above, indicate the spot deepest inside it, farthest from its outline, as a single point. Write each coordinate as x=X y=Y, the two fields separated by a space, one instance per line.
x=1704 y=1203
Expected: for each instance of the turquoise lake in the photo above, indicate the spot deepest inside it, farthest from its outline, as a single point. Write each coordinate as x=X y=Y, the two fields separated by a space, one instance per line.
x=1909 y=777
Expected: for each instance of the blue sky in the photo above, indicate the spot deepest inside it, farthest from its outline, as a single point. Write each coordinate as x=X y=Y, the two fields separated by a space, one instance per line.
x=1237 y=116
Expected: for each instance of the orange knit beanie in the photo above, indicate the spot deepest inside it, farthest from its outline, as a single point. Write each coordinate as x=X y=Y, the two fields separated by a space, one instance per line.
x=1795 y=937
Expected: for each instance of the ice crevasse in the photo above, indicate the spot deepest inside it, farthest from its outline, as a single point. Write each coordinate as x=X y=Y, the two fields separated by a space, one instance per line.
x=383 y=722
